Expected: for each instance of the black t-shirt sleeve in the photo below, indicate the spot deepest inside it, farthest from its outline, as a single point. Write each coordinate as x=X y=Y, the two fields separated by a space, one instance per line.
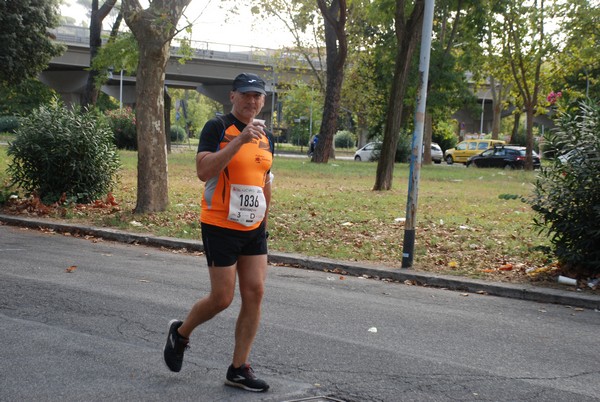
x=271 y=141
x=211 y=135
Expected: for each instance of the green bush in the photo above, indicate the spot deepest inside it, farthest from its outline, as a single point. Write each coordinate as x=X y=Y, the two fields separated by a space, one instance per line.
x=22 y=99
x=8 y=124
x=344 y=139
x=63 y=151
x=122 y=124
x=404 y=147
x=567 y=195
x=444 y=134
x=177 y=133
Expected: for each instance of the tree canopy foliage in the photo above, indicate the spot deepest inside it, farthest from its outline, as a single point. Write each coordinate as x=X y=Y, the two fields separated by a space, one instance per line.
x=26 y=46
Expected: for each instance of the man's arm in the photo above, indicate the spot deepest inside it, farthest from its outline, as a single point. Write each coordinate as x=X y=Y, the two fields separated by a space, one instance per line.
x=267 y=191
x=210 y=164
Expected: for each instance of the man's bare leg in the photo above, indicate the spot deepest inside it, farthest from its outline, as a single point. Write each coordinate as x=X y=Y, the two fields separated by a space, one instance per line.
x=222 y=282
x=252 y=272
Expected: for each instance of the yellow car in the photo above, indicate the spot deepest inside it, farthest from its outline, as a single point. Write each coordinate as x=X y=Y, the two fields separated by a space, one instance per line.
x=467 y=148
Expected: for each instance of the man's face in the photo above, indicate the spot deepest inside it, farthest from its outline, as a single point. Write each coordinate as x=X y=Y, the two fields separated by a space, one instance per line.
x=247 y=105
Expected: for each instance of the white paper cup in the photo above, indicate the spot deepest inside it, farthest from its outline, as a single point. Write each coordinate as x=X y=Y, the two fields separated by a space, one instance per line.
x=565 y=280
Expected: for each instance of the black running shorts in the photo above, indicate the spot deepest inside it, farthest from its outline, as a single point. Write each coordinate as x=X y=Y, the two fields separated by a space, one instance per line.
x=223 y=246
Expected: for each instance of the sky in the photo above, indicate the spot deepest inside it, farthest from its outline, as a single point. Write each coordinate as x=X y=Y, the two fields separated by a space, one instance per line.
x=210 y=25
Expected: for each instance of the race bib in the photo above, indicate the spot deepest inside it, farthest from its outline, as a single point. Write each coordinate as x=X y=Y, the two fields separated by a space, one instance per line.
x=247 y=204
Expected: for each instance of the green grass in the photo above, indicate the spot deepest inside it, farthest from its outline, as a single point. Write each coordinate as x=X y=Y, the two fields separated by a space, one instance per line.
x=6 y=137
x=330 y=210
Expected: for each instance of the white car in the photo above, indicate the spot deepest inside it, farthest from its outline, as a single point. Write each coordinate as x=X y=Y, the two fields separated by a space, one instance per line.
x=437 y=155
x=369 y=152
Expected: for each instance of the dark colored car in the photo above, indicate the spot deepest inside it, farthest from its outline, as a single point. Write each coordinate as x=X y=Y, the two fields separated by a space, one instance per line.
x=503 y=157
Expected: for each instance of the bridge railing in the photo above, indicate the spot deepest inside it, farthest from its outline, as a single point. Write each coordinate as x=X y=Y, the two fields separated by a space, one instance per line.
x=76 y=35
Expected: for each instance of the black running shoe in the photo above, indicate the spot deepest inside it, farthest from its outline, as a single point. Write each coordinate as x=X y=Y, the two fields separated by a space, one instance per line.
x=244 y=378
x=175 y=346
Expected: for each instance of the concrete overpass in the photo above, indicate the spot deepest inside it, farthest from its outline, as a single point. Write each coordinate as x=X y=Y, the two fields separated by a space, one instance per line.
x=210 y=71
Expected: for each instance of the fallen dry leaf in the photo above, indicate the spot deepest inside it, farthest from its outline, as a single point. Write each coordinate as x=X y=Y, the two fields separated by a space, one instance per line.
x=72 y=268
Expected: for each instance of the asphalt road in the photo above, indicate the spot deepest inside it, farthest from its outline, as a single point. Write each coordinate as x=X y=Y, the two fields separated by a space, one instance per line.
x=96 y=333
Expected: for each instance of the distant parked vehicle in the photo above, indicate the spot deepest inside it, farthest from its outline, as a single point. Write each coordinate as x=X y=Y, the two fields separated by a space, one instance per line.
x=577 y=156
x=369 y=152
x=503 y=157
x=436 y=153
x=465 y=149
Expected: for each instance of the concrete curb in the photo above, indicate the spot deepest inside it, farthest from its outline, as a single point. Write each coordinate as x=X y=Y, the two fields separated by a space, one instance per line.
x=523 y=292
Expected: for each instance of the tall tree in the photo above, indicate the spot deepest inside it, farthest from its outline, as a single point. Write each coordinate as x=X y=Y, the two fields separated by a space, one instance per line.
x=370 y=66
x=302 y=19
x=26 y=46
x=457 y=34
x=97 y=16
x=153 y=28
x=361 y=93
x=526 y=47
x=408 y=32
x=577 y=67
x=300 y=115
x=336 y=42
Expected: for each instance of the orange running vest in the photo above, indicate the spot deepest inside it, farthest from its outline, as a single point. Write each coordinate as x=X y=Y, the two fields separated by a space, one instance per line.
x=244 y=177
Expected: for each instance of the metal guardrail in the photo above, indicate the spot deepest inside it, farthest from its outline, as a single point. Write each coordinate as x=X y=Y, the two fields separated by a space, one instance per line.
x=76 y=35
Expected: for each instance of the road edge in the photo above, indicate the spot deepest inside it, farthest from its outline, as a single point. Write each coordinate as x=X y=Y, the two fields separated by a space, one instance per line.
x=514 y=291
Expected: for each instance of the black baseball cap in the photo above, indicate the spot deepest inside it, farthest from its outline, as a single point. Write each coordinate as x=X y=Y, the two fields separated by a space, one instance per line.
x=247 y=82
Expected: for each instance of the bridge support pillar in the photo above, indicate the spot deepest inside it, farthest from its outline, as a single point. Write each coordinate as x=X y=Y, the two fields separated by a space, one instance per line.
x=69 y=84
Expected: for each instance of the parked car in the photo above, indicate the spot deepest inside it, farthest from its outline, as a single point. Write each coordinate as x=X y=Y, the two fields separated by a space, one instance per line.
x=578 y=156
x=465 y=149
x=369 y=152
x=504 y=157
x=436 y=153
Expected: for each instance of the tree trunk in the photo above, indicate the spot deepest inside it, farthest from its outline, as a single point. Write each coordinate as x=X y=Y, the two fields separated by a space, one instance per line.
x=497 y=114
x=363 y=131
x=168 y=105
x=90 y=96
x=324 y=148
x=515 y=130
x=408 y=35
x=530 y=112
x=153 y=185
x=91 y=92
x=337 y=50
x=427 y=137
x=153 y=29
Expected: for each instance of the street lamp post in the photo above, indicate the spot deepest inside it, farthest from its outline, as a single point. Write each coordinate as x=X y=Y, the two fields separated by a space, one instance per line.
x=417 y=142
x=482 y=110
x=121 y=92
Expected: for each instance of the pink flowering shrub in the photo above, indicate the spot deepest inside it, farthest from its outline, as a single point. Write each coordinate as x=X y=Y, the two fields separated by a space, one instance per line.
x=553 y=97
x=122 y=123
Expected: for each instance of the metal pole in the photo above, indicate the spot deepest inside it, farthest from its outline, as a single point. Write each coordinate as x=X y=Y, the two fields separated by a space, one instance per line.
x=273 y=99
x=121 y=92
x=311 y=114
x=481 y=121
x=417 y=141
